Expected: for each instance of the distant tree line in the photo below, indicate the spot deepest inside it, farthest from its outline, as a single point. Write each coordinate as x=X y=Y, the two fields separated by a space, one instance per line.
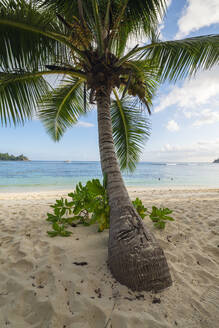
x=7 y=157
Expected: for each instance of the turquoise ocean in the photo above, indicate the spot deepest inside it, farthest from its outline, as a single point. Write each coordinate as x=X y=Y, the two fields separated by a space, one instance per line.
x=57 y=175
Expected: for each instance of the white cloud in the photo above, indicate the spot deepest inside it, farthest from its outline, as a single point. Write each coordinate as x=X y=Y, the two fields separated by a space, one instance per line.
x=172 y=126
x=196 y=99
x=197 y=14
x=206 y=116
x=198 y=91
x=197 y=147
x=84 y=124
x=203 y=151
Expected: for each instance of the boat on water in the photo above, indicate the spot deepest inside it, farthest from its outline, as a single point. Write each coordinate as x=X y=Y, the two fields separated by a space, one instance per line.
x=67 y=161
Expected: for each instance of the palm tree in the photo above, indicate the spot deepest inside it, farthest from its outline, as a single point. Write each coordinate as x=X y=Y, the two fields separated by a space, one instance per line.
x=84 y=42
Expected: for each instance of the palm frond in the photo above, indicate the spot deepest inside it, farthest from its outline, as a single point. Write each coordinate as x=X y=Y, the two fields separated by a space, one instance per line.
x=29 y=37
x=80 y=9
x=19 y=94
x=67 y=8
x=140 y=19
x=61 y=107
x=130 y=131
x=78 y=19
x=181 y=58
x=142 y=81
x=98 y=26
x=70 y=70
x=148 y=13
x=107 y=15
x=128 y=56
x=118 y=19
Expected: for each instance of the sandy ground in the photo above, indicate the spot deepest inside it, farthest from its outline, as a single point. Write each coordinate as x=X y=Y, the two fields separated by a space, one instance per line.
x=41 y=287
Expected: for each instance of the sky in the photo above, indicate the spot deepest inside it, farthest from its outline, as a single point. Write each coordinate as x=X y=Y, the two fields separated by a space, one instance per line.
x=185 y=119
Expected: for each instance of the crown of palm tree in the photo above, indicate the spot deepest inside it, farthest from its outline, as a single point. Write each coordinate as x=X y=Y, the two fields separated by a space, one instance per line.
x=84 y=42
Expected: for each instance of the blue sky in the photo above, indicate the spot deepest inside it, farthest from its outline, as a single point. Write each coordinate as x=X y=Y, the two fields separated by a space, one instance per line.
x=185 y=116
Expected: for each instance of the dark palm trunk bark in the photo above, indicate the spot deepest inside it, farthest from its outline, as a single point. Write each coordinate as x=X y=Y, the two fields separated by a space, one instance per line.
x=134 y=256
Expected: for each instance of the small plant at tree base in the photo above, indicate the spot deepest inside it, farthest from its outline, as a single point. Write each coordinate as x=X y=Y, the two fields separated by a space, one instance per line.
x=159 y=216
x=142 y=211
x=59 y=230
x=89 y=205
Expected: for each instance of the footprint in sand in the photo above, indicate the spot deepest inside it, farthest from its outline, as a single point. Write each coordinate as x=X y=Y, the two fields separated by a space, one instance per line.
x=22 y=266
x=34 y=312
x=40 y=248
x=58 y=255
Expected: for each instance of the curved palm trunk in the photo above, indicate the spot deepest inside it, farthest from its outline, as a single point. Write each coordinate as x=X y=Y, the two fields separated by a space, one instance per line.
x=134 y=256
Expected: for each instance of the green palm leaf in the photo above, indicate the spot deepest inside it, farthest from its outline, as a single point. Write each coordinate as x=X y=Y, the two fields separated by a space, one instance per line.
x=19 y=94
x=148 y=13
x=140 y=20
x=82 y=9
x=125 y=17
x=143 y=81
x=29 y=37
x=98 y=26
x=68 y=8
x=182 y=58
x=61 y=107
x=130 y=131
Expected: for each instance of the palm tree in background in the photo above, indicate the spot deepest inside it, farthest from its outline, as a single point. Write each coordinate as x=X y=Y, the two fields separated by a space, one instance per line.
x=85 y=43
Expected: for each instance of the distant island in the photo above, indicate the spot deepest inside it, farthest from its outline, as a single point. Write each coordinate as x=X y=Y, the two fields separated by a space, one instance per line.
x=7 y=157
x=216 y=161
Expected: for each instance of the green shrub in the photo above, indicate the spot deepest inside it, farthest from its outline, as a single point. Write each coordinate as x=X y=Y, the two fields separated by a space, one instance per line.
x=142 y=211
x=89 y=205
x=159 y=216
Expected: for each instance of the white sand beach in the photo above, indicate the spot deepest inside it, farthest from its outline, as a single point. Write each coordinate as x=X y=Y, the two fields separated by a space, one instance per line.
x=41 y=287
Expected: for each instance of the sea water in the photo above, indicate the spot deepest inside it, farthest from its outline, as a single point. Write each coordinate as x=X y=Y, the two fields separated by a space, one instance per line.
x=58 y=175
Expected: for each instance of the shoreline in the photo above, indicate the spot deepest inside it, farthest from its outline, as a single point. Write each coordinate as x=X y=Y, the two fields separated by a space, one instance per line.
x=129 y=188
